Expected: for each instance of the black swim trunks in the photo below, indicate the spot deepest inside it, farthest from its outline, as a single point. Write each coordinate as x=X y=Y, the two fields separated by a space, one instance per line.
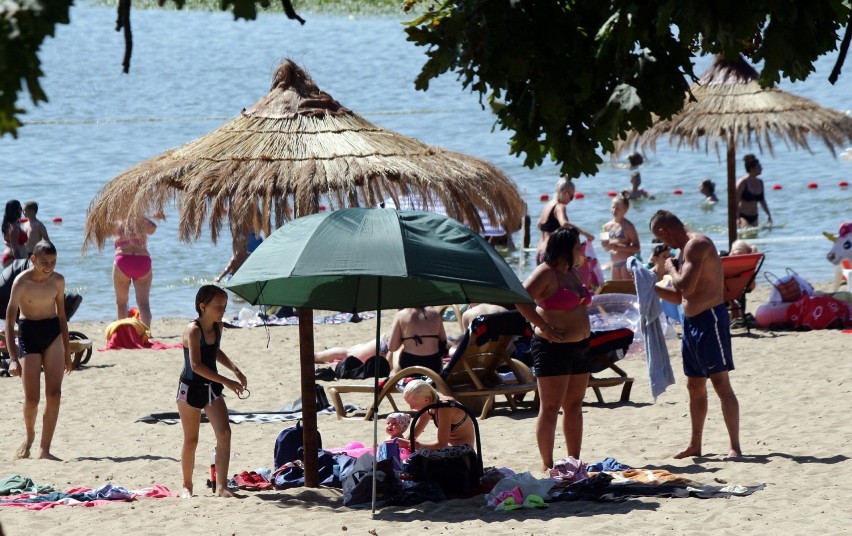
x=199 y=396
x=560 y=358
x=34 y=336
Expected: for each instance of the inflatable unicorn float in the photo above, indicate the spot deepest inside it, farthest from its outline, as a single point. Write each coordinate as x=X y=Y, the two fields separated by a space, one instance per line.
x=841 y=254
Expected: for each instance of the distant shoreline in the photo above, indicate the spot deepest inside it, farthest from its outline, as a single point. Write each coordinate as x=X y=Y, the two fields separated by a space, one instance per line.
x=312 y=7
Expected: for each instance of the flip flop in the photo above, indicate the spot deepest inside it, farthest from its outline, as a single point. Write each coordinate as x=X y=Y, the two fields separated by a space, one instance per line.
x=245 y=481
x=534 y=501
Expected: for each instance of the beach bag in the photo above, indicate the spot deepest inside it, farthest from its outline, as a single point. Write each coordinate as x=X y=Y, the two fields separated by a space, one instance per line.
x=292 y=474
x=358 y=482
x=456 y=469
x=289 y=443
x=389 y=450
x=789 y=288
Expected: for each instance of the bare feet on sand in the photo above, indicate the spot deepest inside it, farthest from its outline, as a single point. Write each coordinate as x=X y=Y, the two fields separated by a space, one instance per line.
x=23 y=451
x=186 y=493
x=224 y=492
x=733 y=455
x=688 y=452
x=46 y=455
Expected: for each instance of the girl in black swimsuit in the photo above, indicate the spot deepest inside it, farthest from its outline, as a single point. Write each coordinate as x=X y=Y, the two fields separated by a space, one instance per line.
x=454 y=428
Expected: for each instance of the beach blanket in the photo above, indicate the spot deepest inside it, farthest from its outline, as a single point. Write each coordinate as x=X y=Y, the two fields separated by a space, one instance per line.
x=87 y=497
x=14 y=484
x=237 y=417
x=617 y=486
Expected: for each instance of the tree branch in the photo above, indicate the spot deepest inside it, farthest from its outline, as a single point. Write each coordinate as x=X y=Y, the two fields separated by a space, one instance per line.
x=123 y=22
x=841 y=55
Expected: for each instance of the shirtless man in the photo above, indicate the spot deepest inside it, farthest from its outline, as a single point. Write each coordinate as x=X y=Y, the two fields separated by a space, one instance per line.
x=39 y=294
x=697 y=281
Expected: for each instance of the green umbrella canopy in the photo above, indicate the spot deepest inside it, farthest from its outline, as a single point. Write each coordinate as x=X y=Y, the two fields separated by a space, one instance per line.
x=335 y=260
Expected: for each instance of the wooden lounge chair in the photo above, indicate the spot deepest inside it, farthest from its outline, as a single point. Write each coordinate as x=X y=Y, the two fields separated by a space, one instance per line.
x=471 y=376
x=605 y=348
x=605 y=345
x=81 y=348
x=739 y=274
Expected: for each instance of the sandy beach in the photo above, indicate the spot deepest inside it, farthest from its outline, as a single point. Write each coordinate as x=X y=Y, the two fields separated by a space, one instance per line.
x=793 y=387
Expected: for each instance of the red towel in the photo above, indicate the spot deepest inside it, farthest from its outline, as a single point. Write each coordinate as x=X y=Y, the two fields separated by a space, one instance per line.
x=126 y=337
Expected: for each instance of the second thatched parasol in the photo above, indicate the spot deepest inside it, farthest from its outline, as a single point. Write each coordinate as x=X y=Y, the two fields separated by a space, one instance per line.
x=729 y=108
x=293 y=150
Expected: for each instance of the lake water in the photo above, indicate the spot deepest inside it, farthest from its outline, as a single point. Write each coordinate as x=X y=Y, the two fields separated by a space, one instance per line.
x=194 y=71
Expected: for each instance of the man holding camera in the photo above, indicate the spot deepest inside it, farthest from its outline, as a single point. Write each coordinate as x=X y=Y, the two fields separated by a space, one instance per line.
x=697 y=283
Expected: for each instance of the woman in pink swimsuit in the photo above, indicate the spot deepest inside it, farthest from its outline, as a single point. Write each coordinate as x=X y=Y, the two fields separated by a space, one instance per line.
x=133 y=265
x=560 y=345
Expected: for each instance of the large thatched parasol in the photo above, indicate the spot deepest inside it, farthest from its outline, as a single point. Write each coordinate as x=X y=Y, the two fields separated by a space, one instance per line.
x=731 y=109
x=295 y=149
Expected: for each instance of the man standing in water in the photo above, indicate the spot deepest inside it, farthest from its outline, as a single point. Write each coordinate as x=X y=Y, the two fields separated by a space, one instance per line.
x=698 y=283
x=39 y=294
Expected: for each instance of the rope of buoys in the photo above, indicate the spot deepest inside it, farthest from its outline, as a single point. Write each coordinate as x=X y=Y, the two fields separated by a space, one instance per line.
x=678 y=191
x=579 y=195
x=57 y=219
x=843 y=184
x=544 y=197
x=776 y=187
x=611 y=193
x=813 y=185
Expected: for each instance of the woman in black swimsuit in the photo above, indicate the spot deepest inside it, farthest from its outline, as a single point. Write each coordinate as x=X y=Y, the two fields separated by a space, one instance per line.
x=554 y=215
x=750 y=192
x=419 y=332
x=454 y=427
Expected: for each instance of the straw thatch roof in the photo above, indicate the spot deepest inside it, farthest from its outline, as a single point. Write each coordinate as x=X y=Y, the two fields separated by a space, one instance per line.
x=731 y=109
x=293 y=150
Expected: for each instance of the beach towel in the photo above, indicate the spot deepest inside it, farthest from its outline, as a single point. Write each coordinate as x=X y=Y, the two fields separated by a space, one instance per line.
x=660 y=372
x=131 y=334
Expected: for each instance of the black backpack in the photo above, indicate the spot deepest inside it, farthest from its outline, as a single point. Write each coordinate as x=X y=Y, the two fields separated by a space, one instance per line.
x=289 y=443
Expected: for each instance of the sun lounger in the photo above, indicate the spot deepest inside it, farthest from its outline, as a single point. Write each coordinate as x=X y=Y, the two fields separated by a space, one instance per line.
x=739 y=274
x=81 y=348
x=471 y=376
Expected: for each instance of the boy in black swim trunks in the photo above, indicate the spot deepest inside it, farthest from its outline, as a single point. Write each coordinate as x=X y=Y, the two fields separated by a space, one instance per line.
x=39 y=295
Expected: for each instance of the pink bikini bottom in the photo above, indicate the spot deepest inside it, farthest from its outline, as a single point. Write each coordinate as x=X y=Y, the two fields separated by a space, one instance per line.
x=134 y=266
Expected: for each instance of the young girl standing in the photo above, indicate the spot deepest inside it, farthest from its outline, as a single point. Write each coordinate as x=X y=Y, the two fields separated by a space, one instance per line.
x=623 y=240
x=201 y=387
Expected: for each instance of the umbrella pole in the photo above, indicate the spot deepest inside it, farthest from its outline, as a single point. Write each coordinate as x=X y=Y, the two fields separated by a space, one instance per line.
x=309 y=397
x=376 y=391
x=732 y=193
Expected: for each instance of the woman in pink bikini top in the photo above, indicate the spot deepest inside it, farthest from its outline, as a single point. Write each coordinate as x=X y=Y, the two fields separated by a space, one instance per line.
x=559 y=348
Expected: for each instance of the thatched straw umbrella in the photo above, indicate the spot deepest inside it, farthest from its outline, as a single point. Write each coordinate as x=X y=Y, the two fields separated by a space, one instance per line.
x=295 y=149
x=731 y=109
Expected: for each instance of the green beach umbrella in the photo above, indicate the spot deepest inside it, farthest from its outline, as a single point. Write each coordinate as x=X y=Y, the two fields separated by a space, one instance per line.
x=337 y=260
x=362 y=259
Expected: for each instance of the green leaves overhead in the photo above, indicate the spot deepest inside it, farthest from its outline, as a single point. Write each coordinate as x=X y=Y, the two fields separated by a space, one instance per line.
x=569 y=77
x=24 y=24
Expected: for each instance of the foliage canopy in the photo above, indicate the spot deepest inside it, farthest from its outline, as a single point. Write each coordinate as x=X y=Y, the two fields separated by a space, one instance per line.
x=571 y=77
x=567 y=77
